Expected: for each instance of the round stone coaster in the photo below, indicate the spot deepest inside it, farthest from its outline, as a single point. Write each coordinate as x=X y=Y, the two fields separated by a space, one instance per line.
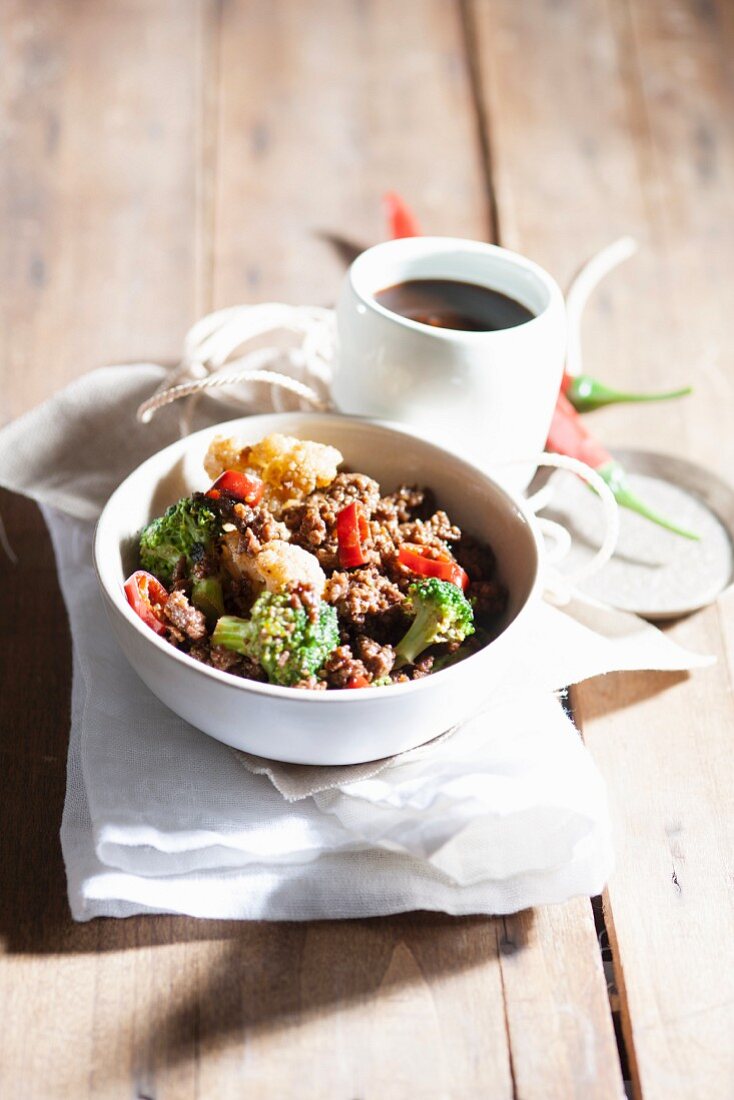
x=654 y=573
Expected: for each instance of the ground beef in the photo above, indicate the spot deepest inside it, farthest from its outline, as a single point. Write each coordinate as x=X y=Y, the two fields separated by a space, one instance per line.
x=180 y=574
x=306 y=596
x=185 y=618
x=361 y=594
x=313 y=522
x=226 y=660
x=377 y=659
x=258 y=525
x=342 y=666
x=311 y=683
x=238 y=595
x=422 y=667
x=476 y=558
x=368 y=599
x=435 y=531
x=488 y=597
x=400 y=677
x=406 y=503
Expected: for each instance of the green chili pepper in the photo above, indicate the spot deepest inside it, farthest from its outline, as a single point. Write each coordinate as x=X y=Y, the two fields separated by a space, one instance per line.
x=569 y=435
x=586 y=393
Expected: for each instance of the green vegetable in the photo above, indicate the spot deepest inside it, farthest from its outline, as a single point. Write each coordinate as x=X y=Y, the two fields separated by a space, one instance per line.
x=206 y=596
x=187 y=529
x=586 y=393
x=441 y=614
x=616 y=478
x=281 y=637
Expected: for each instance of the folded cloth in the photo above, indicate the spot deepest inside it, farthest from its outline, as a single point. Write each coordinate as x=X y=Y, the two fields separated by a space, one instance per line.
x=160 y=818
x=507 y=812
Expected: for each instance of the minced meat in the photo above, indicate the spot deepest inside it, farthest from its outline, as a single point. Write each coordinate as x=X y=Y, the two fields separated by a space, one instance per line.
x=361 y=594
x=342 y=666
x=185 y=618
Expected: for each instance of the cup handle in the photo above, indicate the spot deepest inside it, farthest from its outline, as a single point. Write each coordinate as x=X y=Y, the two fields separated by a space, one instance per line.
x=561 y=585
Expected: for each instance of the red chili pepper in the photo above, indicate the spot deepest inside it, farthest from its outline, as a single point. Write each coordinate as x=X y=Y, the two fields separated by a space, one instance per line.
x=243 y=487
x=351 y=531
x=569 y=436
x=581 y=393
x=358 y=681
x=401 y=221
x=446 y=569
x=146 y=596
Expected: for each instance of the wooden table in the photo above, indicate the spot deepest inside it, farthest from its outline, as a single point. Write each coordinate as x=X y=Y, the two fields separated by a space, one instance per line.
x=160 y=159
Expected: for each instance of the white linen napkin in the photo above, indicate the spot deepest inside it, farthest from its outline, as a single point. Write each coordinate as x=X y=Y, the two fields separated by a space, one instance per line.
x=507 y=813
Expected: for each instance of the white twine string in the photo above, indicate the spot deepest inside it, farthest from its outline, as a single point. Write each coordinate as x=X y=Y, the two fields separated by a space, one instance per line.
x=559 y=586
x=587 y=279
x=186 y=389
x=206 y=364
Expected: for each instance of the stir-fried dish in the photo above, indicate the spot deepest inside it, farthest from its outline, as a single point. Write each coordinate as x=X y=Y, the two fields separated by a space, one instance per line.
x=290 y=571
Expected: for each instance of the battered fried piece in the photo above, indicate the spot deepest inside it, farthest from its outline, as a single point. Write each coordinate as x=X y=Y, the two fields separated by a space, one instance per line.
x=277 y=566
x=224 y=454
x=290 y=468
x=185 y=618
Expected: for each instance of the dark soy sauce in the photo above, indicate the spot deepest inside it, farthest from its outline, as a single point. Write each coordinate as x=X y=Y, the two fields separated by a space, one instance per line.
x=448 y=303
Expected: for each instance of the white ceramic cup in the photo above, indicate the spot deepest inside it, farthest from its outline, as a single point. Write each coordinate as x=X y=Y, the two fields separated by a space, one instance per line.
x=487 y=395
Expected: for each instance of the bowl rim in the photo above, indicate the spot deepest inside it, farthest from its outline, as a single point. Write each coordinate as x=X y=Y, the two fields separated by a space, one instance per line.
x=305 y=695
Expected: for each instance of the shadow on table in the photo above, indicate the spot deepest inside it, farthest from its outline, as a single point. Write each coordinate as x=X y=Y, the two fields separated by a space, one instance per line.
x=617 y=691
x=248 y=976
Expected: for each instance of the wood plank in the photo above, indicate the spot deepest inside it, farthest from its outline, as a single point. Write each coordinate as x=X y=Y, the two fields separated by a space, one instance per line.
x=636 y=137
x=100 y=117
x=101 y=125
x=325 y=107
x=397 y=90
x=172 y=1007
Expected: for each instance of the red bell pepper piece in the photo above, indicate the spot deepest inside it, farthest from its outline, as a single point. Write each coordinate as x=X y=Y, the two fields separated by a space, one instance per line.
x=244 y=487
x=569 y=436
x=445 y=569
x=146 y=596
x=358 y=681
x=401 y=221
x=352 y=530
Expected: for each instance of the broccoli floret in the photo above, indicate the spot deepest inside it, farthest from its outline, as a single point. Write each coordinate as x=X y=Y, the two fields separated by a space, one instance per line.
x=441 y=614
x=282 y=638
x=186 y=529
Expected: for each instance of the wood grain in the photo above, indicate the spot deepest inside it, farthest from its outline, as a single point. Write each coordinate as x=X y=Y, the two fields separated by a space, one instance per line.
x=635 y=137
x=404 y=110
x=102 y=108
x=322 y=110
x=160 y=158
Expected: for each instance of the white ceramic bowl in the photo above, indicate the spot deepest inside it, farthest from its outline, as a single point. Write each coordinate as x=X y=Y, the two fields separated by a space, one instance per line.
x=293 y=724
